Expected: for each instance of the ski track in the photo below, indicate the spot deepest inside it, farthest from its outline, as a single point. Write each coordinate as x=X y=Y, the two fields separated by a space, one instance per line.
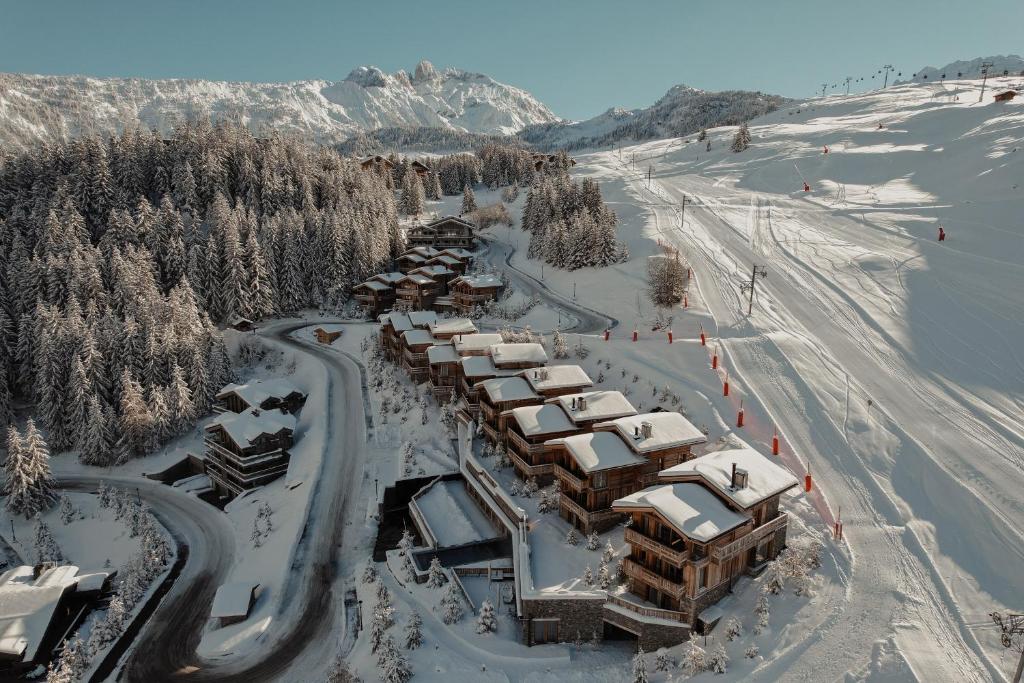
x=901 y=567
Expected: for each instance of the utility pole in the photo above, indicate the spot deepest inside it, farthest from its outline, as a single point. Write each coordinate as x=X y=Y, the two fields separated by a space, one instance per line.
x=847 y=81
x=985 y=66
x=887 y=68
x=682 y=215
x=1010 y=626
x=823 y=86
x=650 y=170
x=757 y=270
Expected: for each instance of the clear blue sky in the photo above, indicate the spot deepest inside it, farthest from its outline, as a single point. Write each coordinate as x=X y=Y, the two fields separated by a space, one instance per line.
x=578 y=57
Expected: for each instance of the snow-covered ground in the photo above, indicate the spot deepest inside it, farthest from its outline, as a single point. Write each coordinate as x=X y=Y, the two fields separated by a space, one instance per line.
x=887 y=360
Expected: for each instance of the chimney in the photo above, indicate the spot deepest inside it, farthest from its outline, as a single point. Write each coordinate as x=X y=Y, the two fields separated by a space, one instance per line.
x=574 y=403
x=636 y=432
x=581 y=405
x=543 y=373
x=647 y=429
x=732 y=479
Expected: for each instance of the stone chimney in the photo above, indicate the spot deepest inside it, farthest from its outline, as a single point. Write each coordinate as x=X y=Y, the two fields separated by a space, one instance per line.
x=646 y=429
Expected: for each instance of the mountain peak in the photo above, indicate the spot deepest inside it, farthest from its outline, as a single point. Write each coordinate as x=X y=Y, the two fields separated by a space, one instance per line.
x=425 y=71
x=367 y=76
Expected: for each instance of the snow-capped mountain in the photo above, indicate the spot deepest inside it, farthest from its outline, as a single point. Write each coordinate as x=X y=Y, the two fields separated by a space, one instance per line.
x=1012 y=64
x=681 y=111
x=38 y=108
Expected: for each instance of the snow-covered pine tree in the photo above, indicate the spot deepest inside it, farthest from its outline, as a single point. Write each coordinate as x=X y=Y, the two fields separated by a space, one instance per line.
x=468 y=200
x=413 y=631
x=572 y=538
x=180 y=407
x=694 y=659
x=37 y=460
x=405 y=543
x=67 y=509
x=662 y=662
x=719 y=660
x=741 y=140
x=451 y=605
x=69 y=666
x=588 y=576
x=394 y=667
x=436 y=577
x=486 y=621
x=593 y=541
x=639 y=667
x=45 y=544
x=733 y=629
x=559 y=346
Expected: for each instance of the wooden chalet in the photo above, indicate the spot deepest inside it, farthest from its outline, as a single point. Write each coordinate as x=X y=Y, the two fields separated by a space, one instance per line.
x=618 y=458
x=530 y=428
x=450 y=262
x=1005 y=96
x=472 y=371
x=468 y=291
x=476 y=344
x=447 y=328
x=443 y=371
x=378 y=164
x=518 y=356
x=374 y=296
x=264 y=394
x=393 y=324
x=241 y=324
x=419 y=168
x=410 y=261
x=415 y=343
x=442 y=275
x=449 y=231
x=247 y=449
x=706 y=522
x=417 y=291
x=496 y=397
x=326 y=337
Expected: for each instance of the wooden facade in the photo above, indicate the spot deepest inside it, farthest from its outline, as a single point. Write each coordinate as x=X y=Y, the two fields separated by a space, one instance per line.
x=374 y=296
x=325 y=337
x=417 y=292
x=234 y=465
x=449 y=231
x=468 y=291
x=414 y=353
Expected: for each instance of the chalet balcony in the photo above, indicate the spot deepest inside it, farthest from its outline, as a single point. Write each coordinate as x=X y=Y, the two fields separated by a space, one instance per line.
x=243 y=462
x=524 y=447
x=646 y=611
x=639 y=540
x=472 y=298
x=656 y=581
x=525 y=467
x=568 y=479
x=588 y=517
x=727 y=552
x=493 y=435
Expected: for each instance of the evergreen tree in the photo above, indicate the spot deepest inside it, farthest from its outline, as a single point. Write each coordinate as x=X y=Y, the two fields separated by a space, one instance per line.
x=413 y=631
x=468 y=200
x=436 y=577
x=45 y=544
x=180 y=408
x=639 y=667
x=742 y=138
x=451 y=605
x=486 y=621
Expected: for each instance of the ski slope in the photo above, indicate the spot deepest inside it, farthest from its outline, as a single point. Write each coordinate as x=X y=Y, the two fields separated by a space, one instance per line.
x=890 y=362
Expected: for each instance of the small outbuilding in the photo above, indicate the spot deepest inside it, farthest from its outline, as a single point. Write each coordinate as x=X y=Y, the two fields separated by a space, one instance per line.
x=233 y=602
x=325 y=337
x=1005 y=96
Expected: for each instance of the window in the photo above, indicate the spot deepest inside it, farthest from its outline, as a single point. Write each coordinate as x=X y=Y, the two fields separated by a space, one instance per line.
x=599 y=480
x=703 y=581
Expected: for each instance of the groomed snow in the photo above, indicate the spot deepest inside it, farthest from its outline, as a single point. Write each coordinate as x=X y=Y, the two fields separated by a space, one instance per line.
x=693 y=510
x=764 y=478
x=669 y=430
x=453 y=517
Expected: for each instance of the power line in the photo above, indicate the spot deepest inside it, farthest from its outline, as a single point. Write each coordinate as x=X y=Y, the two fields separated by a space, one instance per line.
x=1009 y=626
x=757 y=270
x=985 y=66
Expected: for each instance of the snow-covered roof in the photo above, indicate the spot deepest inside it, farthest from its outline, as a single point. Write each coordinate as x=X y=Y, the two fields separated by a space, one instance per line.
x=232 y=600
x=433 y=271
x=465 y=343
x=399 y=321
x=452 y=326
x=92 y=582
x=668 y=430
x=544 y=419
x=418 y=279
x=447 y=259
x=245 y=427
x=508 y=389
x=254 y=393
x=693 y=510
x=599 y=451
x=423 y=251
x=414 y=257
x=375 y=285
x=442 y=353
x=764 y=478
x=479 y=281
x=417 y=336
x=599 y=405
x=388 y=278
x=529 y=352
x=457 y=252
x=27 y=607
x=555 y=377
x=422 y=318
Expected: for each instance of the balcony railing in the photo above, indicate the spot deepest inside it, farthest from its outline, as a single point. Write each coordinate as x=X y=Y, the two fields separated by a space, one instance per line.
x=645 y=611
x=568 y=479
x=663 y=585
x=525 y=447
x=639 y=540
x=588 y=516
x=730 y=550
x=525 y=467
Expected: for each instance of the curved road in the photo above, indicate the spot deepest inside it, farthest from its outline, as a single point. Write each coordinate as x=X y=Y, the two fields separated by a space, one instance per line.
x=166 y=648
x=590 y=321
